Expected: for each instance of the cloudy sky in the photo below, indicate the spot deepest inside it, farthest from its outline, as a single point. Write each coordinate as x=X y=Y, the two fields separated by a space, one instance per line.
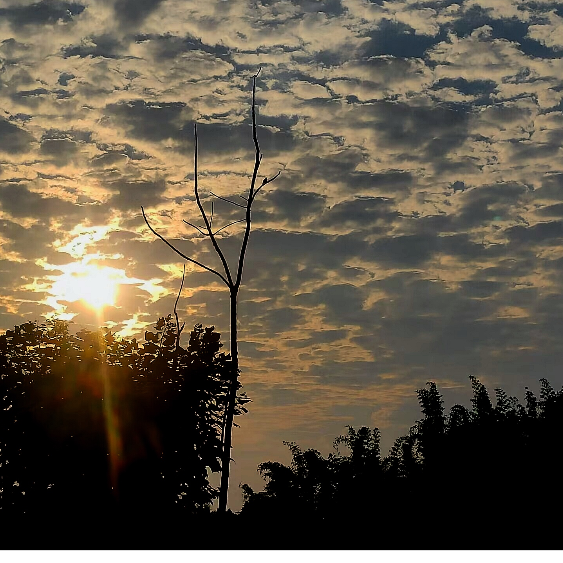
x=415 y=232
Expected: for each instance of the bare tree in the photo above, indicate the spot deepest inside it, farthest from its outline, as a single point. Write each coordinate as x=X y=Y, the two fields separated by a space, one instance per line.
x=233 y=282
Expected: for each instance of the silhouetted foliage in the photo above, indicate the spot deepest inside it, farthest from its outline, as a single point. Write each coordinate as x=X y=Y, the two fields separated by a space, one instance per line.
x=489 y=466
x=94 y=424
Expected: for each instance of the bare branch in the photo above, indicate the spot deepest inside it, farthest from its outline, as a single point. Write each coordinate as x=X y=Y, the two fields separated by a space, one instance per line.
x=257 y=160
x=195 y=227
x=211 y=220
x=228 y=200
x=182 y=254
x=206 y=220
x=265 y=182
x=215 y=232
x=232 y=223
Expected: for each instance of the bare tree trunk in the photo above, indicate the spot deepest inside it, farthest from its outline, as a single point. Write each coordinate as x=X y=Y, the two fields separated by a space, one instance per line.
x=233 y=283
x=230 y=408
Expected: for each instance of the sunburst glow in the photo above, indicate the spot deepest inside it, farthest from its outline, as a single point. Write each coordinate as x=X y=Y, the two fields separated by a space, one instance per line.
x=96 y=286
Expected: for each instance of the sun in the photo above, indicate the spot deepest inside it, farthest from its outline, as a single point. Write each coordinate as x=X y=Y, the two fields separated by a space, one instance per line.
x=95 y=285
x=98 y=288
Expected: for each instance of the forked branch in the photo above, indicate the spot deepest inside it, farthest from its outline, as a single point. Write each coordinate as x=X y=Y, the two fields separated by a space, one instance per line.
x=181 y=253
x=204 y=216
x=207 y=231
x=227 y=278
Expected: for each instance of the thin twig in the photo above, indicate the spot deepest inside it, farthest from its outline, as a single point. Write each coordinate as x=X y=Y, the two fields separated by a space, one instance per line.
x=228 y=200
x=195 y=227
x=232 y=223
x=265 y=182
x=181 y=253
x=178 y=329
x=215 y=232
x=178 y=298
x=257 y=160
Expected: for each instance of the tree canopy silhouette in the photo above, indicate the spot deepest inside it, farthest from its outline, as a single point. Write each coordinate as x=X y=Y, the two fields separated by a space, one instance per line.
x=93 y=423
x=491 y=466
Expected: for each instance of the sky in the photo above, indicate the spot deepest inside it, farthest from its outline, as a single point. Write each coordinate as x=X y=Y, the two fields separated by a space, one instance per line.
x=414 y=234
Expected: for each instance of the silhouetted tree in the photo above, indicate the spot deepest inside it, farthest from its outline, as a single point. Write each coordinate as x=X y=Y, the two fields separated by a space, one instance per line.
x=431 y=429
x=92 y=423
x=317 y=487
x=232 y=281
x=495 y=466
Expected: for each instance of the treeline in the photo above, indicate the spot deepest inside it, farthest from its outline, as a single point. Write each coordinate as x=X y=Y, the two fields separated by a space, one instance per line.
x=113 y=441
x=94 y=426
x=489 y=476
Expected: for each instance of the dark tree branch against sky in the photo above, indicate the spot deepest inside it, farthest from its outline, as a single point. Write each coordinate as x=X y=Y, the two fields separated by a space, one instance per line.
x=232 y=283
x=414 y=235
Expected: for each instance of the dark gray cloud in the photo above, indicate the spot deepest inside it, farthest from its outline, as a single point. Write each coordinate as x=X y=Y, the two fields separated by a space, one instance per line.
x=406 y=250
x=551 y=187
x=290 y=206
x=59 y=151
x=555 y=210
x=105 y=45
x=481 y=89
x=277 y=395
x=335 y=168
x=445 y=332
x=486 y=204
x=270 y=16
x=270 y=321
x=512 y=29
x=540 y=233
x=435 y=130
x=13 y=139
x=38 y=13
x=399 y=40
x=346 y=374
x=130 y=13
x=343 y=303
x=167 y=46
x=133 y=195
x=19 y=201
x=360 y=213
x=481 y=288
x=30 y=242
x=15 y=274
x=148 y=120
x=65 y=78
x=116 y=154
x=172 y=120
x=278 y=249
x=223 y=138
x=137 y=251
